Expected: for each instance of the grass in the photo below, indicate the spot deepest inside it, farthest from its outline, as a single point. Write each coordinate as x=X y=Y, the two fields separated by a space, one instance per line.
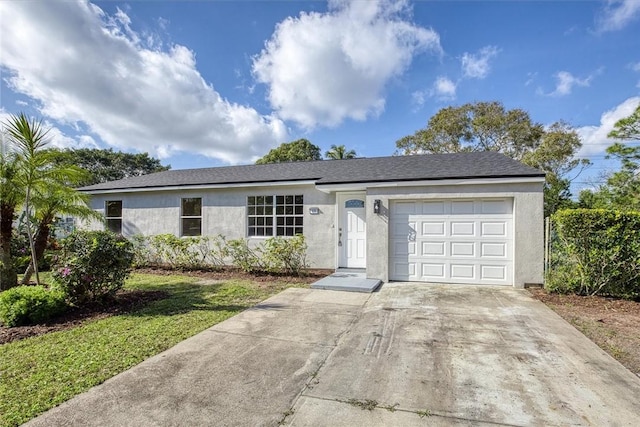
x=39 y=373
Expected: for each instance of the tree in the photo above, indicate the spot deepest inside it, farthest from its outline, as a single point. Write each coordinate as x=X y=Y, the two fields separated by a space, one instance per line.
x=488 y=126
x=39 y=184
x=109 y=165
x=627 y=128
x=622 y=188
x=53 y=200
x=11 y=196
x=300 y=150
x=29 y=139
x=339 y=152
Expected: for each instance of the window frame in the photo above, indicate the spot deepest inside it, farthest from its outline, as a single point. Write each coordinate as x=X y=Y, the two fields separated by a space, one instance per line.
x=283 y=216
x=109 y=218
x=184 y=217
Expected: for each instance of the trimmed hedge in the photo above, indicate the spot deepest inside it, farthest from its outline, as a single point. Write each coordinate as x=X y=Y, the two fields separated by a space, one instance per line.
x=595 y=252
x=29 y=305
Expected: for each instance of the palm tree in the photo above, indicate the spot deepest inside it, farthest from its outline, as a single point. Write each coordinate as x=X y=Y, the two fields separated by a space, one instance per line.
x=58 y=199
x=43 y=186
x=338 y=152
x=28 y=138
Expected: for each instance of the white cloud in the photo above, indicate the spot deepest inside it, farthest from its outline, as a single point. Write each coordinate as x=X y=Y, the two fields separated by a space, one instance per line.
x=565 y=82
x=323 y=68
x=444 y=89
x=476 y=66
x=617 y=14
x=594 y=138
x=84 y=66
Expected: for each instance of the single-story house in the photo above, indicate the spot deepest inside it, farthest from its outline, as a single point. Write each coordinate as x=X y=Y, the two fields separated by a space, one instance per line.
x=446 y=218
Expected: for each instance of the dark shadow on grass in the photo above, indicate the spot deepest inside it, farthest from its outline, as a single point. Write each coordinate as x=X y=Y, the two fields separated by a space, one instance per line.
x=187 y=297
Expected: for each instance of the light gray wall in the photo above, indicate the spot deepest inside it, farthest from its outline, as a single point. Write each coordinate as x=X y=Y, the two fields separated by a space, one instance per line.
x=224 y=211
x=528 y=216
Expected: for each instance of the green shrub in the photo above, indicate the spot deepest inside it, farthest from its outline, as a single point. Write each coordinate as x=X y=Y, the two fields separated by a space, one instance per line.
x=285 y=255
x=595 y=252
x=93 y=265
x=194 y=252
x=242 y=256
x=28 y=305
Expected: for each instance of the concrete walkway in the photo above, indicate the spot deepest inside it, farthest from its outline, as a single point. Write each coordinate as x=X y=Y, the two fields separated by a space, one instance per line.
x=413 y=354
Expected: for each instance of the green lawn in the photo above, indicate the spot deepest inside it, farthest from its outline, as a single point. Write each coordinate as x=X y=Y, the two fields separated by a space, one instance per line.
x=39 y=373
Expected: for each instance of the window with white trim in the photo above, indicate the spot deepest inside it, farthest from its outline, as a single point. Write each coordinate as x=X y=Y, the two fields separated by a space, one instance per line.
x=275 y=215
x=191 y=216
x=113 y=215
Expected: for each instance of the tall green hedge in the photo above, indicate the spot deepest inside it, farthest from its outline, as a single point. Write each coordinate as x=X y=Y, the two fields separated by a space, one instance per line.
x=595 y=252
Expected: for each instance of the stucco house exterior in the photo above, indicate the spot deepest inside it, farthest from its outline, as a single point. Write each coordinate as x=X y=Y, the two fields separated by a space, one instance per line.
x=446 y=218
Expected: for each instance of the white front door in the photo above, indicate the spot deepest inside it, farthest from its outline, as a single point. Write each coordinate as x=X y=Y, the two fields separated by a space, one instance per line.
x=352 y=232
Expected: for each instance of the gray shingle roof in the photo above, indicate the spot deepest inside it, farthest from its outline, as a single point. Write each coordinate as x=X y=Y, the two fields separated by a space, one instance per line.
x=361 y=170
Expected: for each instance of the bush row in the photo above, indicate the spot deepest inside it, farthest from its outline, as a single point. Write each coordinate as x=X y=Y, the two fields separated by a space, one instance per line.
x=273 y=255
x=595 y=252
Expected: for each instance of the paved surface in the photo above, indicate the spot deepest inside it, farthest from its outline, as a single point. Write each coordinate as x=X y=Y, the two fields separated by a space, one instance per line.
x=349 y=280
x=432 y=355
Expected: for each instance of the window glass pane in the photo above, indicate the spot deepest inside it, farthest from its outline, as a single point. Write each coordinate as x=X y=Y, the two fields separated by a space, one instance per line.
x=280 y=220
x=191 y=226
x=288 y=210
x=268 y=210
x=252 y=231
x=279 y=200
x=114 y=225
x=260 y=210
x=251 y=210
x=252 y=221
x=289 y=220
x=288 y=200
x=268 y=221
x=268 y=200
x=298 y=210
x=298 y=230
x=260 y=221
x=260 y=200
x=354 y=204
x=280 y=231
x=191 y=206
x=298 y=221
x=279 y=210
x=114 y=208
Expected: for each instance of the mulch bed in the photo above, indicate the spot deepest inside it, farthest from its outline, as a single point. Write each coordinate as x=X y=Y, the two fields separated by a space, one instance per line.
x=612 y=323
x=309 y=276
x=127 y=301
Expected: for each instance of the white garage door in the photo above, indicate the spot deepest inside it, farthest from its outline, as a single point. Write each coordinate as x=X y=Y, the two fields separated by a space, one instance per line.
x=452 y=241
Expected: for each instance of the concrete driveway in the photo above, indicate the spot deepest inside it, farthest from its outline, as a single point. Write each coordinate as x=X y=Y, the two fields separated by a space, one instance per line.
x=410 y=355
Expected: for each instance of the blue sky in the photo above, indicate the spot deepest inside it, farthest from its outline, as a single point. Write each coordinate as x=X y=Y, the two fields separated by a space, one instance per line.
x=209 y=83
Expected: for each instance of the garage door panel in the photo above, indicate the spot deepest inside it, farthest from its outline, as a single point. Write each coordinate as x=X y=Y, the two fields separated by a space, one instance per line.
x=463 y=249
x=433 y=208
x=462 y=271
x=405 y=208
x=462 y=207
x=495 y=207
x=462 y=228
x=451 y=241
x=493 y=228
x=488 y=250
x=433 y=248
x=431 y=271
x=433 y=228
x=493 y=272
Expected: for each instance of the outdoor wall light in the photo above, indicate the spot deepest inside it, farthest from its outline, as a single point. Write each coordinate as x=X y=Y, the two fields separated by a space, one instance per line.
x=376 y=206
x=314 y=211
